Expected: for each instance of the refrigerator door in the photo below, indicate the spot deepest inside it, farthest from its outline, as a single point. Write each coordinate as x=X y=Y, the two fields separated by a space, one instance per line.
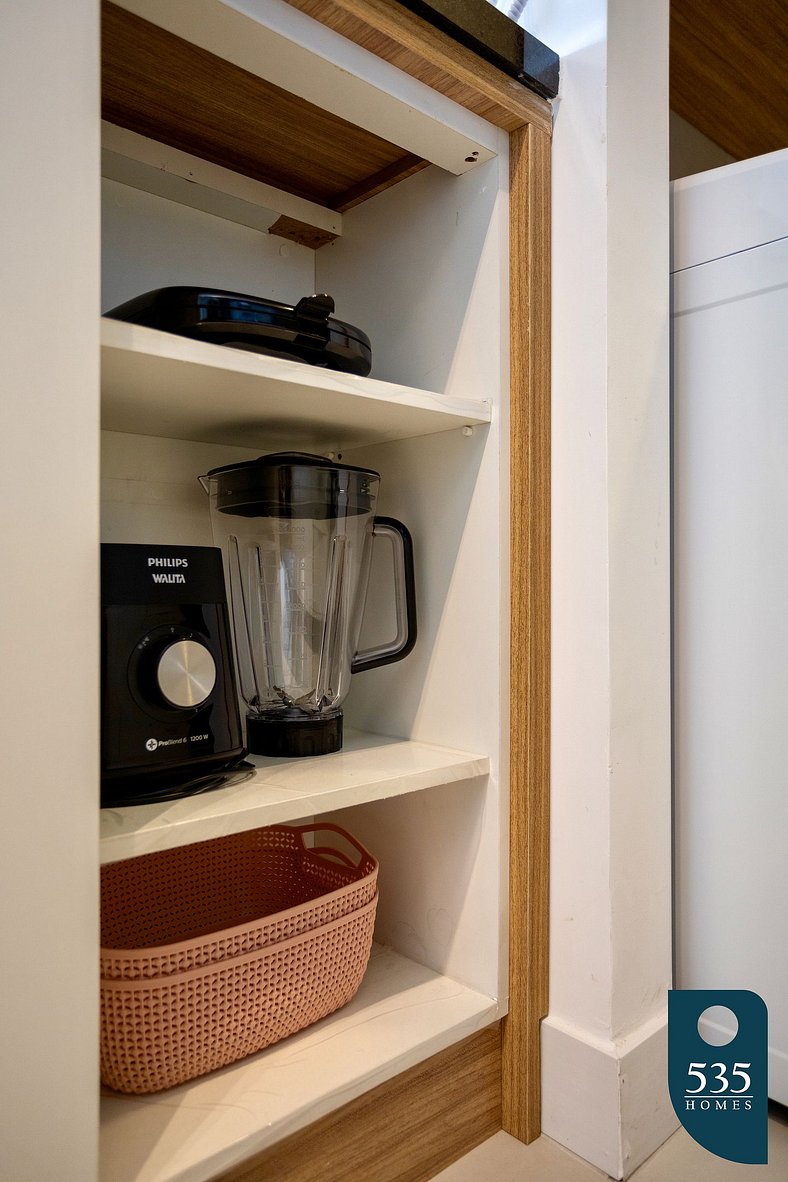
x=731 y=625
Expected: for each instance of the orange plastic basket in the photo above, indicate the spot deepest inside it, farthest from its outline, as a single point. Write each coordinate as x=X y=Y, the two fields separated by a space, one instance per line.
x=213 y=951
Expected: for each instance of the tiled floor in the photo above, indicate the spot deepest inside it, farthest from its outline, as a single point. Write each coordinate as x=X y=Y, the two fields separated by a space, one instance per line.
x=502 y=1159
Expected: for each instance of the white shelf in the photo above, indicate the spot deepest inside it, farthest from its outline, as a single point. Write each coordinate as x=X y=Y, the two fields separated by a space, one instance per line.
x=369 y=767
x=402 y=1014
x=156 y=383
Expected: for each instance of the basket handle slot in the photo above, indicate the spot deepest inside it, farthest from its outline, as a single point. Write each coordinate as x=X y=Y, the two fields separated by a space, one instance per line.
x=326 y=851
x=330 y=851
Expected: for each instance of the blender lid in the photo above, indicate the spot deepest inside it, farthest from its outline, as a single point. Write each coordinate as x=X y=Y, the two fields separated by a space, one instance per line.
x=290 y=459
x=292 y=484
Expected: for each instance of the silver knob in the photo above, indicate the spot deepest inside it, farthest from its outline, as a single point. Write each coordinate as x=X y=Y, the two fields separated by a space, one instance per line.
x=186 y=673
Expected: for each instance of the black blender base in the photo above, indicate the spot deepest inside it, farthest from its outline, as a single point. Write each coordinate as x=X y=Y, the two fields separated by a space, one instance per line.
x=150 y=789
x=294 y=737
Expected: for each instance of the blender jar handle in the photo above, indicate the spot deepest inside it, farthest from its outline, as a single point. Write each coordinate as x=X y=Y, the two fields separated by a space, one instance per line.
x=404 y=597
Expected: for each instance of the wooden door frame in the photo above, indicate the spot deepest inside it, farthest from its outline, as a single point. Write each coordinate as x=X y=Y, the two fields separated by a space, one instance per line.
x=440 y=1109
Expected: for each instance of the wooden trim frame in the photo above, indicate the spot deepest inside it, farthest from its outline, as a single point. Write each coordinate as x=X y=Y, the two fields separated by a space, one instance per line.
x=393 y=33
x=416 y=1124
x=529 y=231
x=406 y=1130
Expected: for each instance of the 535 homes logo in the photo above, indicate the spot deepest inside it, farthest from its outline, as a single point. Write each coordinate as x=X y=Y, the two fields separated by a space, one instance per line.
x=717 y=1070
x=719 y=1092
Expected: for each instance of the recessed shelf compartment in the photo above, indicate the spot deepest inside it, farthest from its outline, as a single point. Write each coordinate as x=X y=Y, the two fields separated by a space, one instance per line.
x=156 y=383
x=421 y=267
x=402 y=1014
x=369 y=767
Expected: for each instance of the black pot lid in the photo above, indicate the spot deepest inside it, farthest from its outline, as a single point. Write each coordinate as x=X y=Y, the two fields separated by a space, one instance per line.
x=304 y=332
x=166 y=305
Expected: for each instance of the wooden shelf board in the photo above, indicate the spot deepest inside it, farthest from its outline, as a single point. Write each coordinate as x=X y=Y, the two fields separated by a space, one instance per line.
x=161 y=86
x=315 y=119
x=402 y=1014
x=156 y=383
x=369 y=767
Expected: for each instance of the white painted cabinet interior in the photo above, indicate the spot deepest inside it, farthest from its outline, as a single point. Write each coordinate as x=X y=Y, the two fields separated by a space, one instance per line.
x=423 y=269
x=730 y=292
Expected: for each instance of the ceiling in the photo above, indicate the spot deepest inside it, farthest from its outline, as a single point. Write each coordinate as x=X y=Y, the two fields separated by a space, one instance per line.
x=729 y=72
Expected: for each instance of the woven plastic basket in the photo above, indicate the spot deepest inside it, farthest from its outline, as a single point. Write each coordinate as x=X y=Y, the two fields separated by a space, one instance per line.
x=224 y=947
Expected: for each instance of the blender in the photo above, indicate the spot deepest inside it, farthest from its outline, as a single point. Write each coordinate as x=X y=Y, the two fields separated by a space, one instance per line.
x=297 y=532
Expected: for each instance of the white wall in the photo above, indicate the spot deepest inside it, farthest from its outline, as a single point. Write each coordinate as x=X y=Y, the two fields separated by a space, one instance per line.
x=604 y=1072
x=49 y=213
x=691 y=151
x=149 y=242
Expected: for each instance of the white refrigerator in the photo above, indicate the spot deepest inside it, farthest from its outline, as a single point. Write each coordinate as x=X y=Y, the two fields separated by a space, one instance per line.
x=730 y=514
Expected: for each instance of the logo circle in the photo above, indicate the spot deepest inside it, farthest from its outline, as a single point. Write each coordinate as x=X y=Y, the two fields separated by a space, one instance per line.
x=151 y=744
x=718 y=1025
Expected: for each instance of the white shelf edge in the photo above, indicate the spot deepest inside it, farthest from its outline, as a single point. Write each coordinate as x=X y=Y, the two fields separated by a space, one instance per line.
x=158 y=383
x=147 y=164
x=273 y=41
x=402 y=1014
x=369 y=767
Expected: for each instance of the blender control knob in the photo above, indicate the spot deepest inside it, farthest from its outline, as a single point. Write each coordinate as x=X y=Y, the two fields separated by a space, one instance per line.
x=186 y=674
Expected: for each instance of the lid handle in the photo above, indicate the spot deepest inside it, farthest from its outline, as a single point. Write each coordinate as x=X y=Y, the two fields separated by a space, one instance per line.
x=313 y=311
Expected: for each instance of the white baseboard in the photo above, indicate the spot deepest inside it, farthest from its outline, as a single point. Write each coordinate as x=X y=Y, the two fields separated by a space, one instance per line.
x=607 y=1101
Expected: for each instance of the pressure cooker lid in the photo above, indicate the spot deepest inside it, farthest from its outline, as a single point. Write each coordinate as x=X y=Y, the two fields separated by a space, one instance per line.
x=293 y=484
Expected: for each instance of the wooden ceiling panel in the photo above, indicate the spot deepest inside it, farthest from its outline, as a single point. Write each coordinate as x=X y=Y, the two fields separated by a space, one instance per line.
x=163 y=87
x=728 y=72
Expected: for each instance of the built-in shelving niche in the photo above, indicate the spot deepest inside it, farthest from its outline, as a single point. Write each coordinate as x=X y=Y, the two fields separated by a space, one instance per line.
x=422 y=266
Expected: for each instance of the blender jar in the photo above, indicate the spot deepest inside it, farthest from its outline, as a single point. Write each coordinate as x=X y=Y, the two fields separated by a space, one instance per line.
x=297 y=532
